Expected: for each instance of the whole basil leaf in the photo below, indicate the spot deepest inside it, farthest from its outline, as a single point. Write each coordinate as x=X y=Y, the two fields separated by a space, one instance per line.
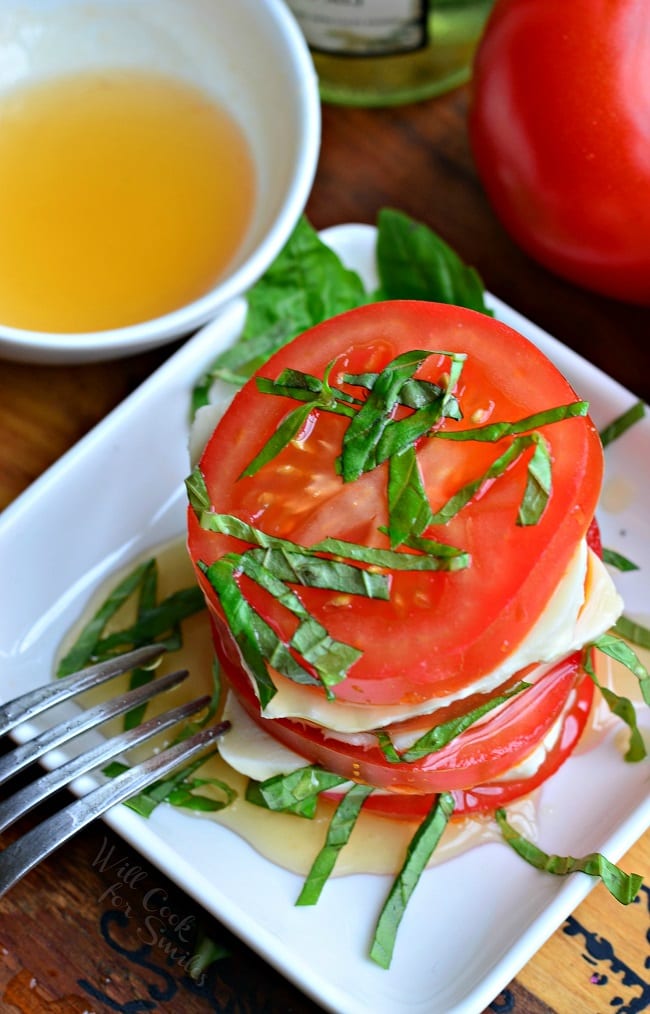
x=414 y=263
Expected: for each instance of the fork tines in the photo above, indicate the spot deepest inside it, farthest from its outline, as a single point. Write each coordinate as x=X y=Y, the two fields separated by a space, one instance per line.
x=26 y=852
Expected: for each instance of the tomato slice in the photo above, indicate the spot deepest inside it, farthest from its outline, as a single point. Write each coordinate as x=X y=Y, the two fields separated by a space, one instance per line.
x=479 y=755
x=489 y=796
x=439 y=631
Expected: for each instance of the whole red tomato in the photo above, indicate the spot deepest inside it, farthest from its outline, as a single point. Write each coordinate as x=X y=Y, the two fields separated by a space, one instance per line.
x=560 y=131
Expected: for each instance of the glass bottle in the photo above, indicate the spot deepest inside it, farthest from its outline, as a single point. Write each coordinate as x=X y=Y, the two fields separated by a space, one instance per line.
x=387 y=52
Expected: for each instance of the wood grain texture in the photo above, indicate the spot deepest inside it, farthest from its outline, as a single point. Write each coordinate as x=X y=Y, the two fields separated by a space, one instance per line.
x=73 y=937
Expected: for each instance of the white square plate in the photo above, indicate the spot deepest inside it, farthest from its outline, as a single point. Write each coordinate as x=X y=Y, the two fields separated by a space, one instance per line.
x=473 y=922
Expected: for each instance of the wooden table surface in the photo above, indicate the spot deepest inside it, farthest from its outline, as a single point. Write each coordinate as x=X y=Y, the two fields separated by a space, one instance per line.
x=73 y=934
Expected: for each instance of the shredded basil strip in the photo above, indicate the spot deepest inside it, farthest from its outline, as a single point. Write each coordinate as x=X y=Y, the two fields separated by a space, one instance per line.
x=181 y=787
x=296 y=792
x=239 y=616
x=493 y=432
x=141 y=676
x=155 y=621
x=276 y=653
x=159 y=623
x=84 y=649
x=338 y=834
x=634 y=632
x=622 y=423
x=360 y=443
x=441 y=735
x=306 y=387
x=621 y=652
x=414 y=393
x=320 y=572
x=402 y=433
x=623 y=886
x=197 y=491
x=424 y=544
x=623 y=708
x=205 y=952
x=287 y=431
x=448 y=558
x=538 y=485
x=419 y=852
x=409 y=511
x=617 y=560
x=535 y=495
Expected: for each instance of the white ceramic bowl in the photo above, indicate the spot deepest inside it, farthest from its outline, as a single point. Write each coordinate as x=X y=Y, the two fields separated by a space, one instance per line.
x=249 y=55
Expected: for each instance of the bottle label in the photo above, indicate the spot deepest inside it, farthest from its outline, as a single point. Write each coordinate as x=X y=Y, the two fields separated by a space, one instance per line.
x=362 y=27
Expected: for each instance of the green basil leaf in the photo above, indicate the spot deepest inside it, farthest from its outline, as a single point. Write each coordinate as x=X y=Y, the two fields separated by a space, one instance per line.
x=205 y=952
x=83 y=651
x=623 y=709
x=457 y=559
x=448 y=558
x=319 y=572
x=386 y=746
x=623 y=886
x=159 y=623
x=187 y=796
x=331 y=659
x=197 y=491
x=414 y=393
x=296 y=792
x=538 y=485
x=307 y=387
x=287 y=431
x=359 y=452
x=338 y=834
x=615 y=559
x=622 y=423
x=415 y=263
x=240 y=618
x=419 y=852
x=621 y=652
x=177 y=790
x=147 y=596
x=633 y=631
x=492 y=432
x=463 y=496
x=441 y=735
x=409 y=512
x=402 y=433
x=276 y=653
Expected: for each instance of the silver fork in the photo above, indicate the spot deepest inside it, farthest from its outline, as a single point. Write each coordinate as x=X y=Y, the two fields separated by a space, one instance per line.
x=26 y=852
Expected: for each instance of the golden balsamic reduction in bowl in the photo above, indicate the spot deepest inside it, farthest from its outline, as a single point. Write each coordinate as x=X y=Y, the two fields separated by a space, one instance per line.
x=124 y=195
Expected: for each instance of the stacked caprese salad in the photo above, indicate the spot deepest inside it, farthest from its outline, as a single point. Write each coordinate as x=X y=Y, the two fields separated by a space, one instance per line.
x=393 y=525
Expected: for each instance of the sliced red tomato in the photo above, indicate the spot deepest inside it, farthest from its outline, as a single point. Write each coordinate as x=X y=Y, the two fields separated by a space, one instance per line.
x=479 y=755
x=489 y=796
x=439 y=631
